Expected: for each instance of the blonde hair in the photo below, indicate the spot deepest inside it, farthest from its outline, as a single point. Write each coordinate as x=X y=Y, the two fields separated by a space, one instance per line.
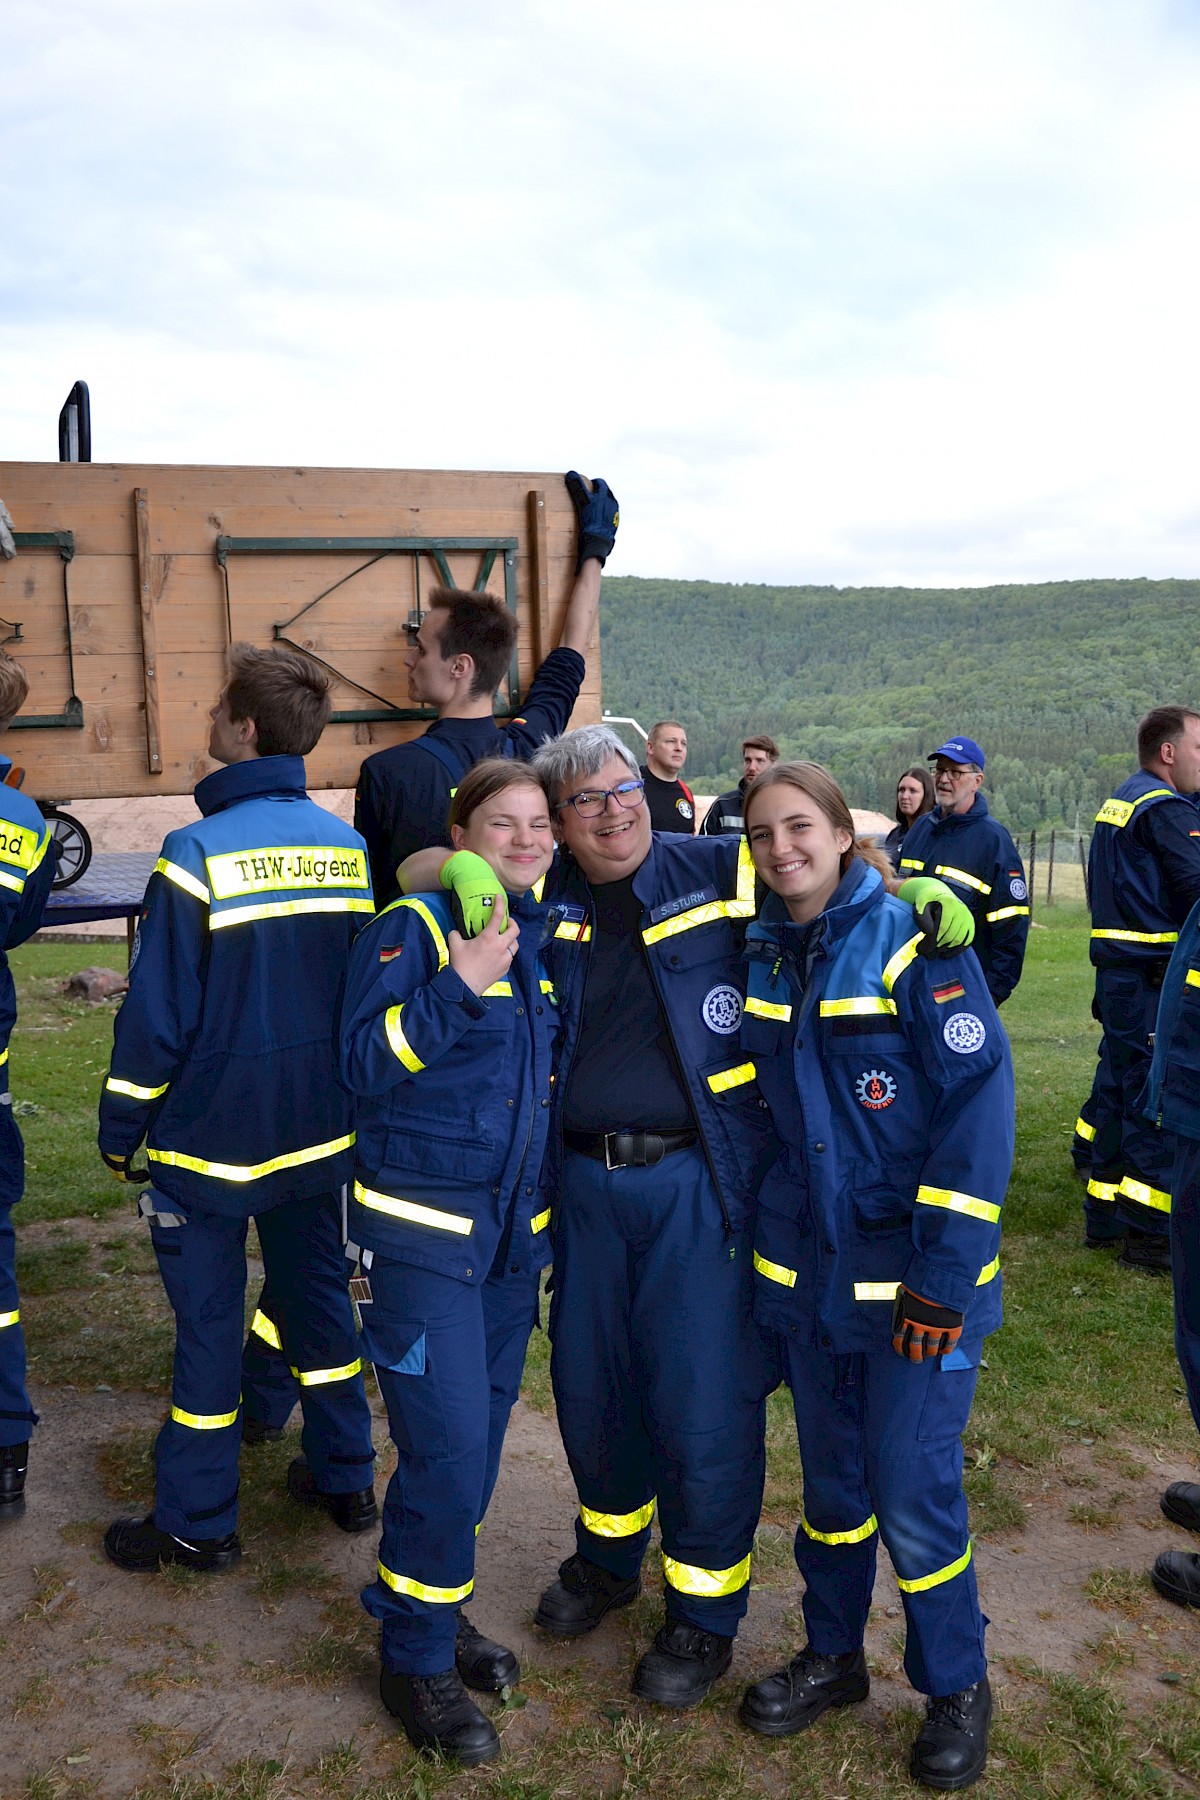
x=14 y=687
x=811 y=779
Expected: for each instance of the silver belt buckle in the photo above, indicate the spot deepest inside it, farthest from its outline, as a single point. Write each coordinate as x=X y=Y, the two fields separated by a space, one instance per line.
x=608 y=1161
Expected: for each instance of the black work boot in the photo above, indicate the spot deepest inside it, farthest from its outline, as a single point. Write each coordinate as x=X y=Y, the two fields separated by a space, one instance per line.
x=257 y=1431
x=1176 y=1575
x=438 y=1714
x=349 y=1512
x=1181 y=1504
x=483 y=1664
x=1150 y=1254
x=793 y=1698
x=139 y=1545
x=951 y=1747
x=682 y=1665
x=14 y=1459
x=581 y=1596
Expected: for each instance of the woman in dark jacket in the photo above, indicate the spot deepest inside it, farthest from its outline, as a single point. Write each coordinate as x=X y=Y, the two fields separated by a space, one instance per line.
x=914 y=796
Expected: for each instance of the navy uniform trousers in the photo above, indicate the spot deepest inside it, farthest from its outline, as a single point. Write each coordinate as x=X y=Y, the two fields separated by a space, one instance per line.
x=448 y=1357
x=881 y=1446
x=1185 y=1265
x=17 y=1417
x=660 y=1379
x=1130 y=1182
x=202 y=1259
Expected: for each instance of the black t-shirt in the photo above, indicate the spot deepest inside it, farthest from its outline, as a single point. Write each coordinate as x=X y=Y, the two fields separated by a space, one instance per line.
x=623 y=1075
x=671 y=805
x=403 y=794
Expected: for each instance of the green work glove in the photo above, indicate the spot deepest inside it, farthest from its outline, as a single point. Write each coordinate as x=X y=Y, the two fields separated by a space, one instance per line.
x=947 y=927
x=478 y=890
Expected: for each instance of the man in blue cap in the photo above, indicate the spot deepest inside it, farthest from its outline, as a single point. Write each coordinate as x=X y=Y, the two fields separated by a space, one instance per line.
x=961 y=844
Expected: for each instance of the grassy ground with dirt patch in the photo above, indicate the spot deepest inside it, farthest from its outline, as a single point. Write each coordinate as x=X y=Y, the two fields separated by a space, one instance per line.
x=260 y=1685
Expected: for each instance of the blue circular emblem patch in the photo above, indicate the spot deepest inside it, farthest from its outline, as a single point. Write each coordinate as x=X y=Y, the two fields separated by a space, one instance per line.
x=964 y=1033
x=722 y=1010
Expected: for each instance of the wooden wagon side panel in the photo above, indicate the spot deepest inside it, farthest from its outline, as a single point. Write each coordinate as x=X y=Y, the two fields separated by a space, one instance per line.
x=123 y=619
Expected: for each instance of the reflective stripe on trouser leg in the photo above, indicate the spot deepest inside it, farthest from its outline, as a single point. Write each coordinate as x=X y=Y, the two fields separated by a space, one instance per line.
x=425 y=1335
x=17 y=1417
x=203 y=1266
x=1127 y=1000
x=307 y=1275
x=1185 y=1265
x=659 y=1377
x=269 y=1389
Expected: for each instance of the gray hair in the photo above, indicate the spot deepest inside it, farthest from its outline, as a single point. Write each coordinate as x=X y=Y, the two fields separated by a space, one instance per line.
x=578 y=755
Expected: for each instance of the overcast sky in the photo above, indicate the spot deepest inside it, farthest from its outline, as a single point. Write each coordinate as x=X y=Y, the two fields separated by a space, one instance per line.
x=844 y=291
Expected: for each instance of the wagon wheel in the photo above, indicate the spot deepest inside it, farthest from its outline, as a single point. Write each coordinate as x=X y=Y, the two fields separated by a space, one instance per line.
x=74 y=846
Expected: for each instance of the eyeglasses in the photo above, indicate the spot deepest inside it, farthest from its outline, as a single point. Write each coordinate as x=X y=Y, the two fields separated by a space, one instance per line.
x=954 y=774
x=593 y=801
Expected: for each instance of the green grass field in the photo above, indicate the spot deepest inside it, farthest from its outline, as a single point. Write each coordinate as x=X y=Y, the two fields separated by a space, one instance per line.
x=1084 y=1360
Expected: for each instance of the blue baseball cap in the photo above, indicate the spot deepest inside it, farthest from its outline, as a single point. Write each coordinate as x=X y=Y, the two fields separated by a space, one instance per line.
x=961 y=749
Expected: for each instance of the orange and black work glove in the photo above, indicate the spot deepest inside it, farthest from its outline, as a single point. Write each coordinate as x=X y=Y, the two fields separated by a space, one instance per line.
x=922 y=1328
x=120 y=1167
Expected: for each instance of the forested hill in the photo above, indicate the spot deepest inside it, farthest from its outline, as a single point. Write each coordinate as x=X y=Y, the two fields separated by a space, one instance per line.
x=1051 y=679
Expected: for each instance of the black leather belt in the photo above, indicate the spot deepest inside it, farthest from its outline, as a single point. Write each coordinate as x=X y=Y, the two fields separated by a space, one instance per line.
x=628 y=1149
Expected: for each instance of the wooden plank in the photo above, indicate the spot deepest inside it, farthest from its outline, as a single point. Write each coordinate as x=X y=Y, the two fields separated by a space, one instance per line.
x=151 y=574
x=539 y=576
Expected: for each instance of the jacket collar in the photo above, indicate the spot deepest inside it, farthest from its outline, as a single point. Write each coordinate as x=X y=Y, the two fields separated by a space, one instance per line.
x=947 y=821
x=281 y=777
x=860 y=889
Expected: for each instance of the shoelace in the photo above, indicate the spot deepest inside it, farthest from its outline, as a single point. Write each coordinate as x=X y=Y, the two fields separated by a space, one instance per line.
x=441 y=1691
x=947 y=1709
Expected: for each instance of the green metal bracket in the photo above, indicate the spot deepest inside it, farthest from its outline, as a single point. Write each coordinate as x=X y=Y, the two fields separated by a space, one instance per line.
x=436 y=549
x=71 y=717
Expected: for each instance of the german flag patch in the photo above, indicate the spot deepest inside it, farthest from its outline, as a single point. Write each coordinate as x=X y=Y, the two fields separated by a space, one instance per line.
x=389 y=952
x=949 y=990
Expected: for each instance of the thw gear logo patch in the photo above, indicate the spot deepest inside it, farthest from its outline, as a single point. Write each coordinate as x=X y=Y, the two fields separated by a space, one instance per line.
x=875 y=1089
x=722 y=1010
x=964 y=1033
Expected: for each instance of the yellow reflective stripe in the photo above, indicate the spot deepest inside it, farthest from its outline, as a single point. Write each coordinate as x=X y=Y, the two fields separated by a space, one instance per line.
x=858 y=1536
x=4 y=1054
x=431 y=925
x=540 y=1222
x=988 y=1272
x=724 y=1079
x=22 y=847
x=416 y=1214
x=1139 y=937
x=617 y=1525
x=536 y=891
x=765 y=1009
x=1158 y=1198
x=420 y=1590
x=499 y=990
x=894 y=968
x=401 y=1047
x=745 y=876
x=1103 y=1190
x=960 y=875
x=15 y=882
x=906 y=862
x=113 y=1086
x=547 y=987
x=204 y=1421
x=959 y=1203
x=775 y=1271
x=686 y=1578
x=698 y=915
x=876 y=1290
x=1119 y=812
x=266 y=1329
x=1192 y=978
x=939 y=1575
x=1006 y=912
x=182 y=879
x=574 y=930
x=284 y=909
x=9 y=1318
x=856 y=1005
x=321 y=1377
x=294 y=1159
x=1084 y=1130
x=272 y=867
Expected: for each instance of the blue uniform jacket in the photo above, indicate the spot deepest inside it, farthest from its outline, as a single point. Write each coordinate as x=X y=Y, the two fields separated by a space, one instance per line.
x=973 y=854
x=1172 y=1097
x=1143 y=872
x=27 y=862
x=453 y=1095
x=890 y=1082
x=697 y=898
x=224 y=1052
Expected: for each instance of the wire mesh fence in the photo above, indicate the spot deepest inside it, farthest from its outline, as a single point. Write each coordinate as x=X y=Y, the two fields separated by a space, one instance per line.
x=1055 y=859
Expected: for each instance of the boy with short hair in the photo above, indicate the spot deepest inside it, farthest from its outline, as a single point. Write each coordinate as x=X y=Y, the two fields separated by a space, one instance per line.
x=224 y=1062
x=27 y=862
